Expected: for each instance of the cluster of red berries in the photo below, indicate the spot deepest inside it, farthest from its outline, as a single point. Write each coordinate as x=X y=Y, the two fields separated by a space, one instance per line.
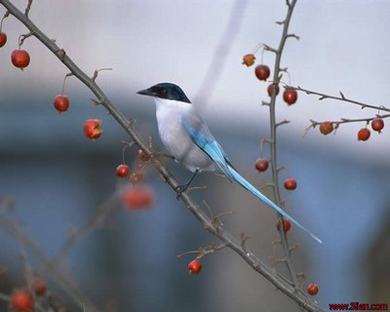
x=377 y=124
x=22 y=300
x=289 y=184
x=262 y=165
x=136 y=195
x=262 y=72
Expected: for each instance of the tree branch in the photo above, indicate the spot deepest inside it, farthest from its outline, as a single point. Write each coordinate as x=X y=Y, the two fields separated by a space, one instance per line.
x=342 y=98
x=253 y=261
x=273 y=139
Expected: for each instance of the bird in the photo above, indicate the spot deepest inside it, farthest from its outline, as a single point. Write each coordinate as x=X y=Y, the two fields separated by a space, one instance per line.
x=190 y=142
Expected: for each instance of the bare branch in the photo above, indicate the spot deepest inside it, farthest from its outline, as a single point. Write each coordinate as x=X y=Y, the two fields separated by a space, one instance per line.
x=273 y=138
x=96 y=72
x=337 y=123
x=13 y=228
x=342 y=98
x=28 y=7
x=23 y=37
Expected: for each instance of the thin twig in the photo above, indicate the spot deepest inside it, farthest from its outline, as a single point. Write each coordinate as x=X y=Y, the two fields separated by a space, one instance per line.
x=13 y=228
x=101 y=213
x=342 y=98
x=337 y=123
x=28 y=7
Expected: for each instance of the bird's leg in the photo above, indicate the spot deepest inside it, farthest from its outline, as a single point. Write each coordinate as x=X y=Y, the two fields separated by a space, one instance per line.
x=182 y=188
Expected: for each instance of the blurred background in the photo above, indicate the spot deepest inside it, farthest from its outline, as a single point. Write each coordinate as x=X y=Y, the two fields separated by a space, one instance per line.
x=58 y=178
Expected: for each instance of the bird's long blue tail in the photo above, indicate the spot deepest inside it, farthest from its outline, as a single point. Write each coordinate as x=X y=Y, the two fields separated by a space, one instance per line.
x=249 y=187
x=202 y=137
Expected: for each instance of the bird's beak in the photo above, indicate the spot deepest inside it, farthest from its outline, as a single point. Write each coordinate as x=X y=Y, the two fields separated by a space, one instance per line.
x=146 y=92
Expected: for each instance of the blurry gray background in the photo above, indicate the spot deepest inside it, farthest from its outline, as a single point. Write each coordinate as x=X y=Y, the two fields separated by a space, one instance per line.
x=58 y=177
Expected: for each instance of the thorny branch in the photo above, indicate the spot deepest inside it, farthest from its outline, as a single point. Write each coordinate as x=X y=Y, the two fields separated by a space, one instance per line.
x=342 y=98
x=276 y=279
x=273 y=140
x=337 y=123
x=14 y=229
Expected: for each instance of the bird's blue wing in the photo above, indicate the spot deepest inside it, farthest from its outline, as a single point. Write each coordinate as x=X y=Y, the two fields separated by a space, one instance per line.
x=202 y=137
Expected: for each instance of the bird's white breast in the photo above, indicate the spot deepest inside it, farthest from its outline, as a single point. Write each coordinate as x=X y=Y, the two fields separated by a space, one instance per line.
x=175 y=138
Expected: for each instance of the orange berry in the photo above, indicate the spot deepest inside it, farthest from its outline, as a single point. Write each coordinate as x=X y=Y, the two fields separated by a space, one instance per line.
x=248 y=59
x=363 y=134
x=312 y=289
x=326 y=127
x=22 y=301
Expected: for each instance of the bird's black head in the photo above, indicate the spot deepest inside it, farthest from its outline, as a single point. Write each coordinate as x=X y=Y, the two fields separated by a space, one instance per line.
x=167 y=91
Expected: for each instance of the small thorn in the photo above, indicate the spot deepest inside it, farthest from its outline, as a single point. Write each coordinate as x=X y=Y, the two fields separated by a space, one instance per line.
x=282 y=123
x=292 y=248
x=268 y=48
x=97 y=71
x=264 y=103
x=301 y=275
x=281 y=260
x=61 y=54
x=97 y=102
x=293 y=36
x=244 y=239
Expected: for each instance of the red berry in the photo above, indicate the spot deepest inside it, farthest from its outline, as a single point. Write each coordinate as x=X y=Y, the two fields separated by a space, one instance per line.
x=137 y=196
x=326 y=127
x=195 y=266
x=92 y=128
x=271 y=88
x=122 y=171
x=290 y=184
x=22 y=301
x=3 y=39
x=377 y=124
x=261 y=165
x=40 y=287
x=363 y=134
x=248 y=60
x=312 y=289
x=142 y=155
x=20 y=58
x=290 y=95
x=286 y=225
x=262 y=72
x=61 y=103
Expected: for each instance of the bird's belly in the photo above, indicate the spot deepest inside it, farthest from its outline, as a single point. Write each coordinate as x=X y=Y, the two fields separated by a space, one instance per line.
x=177 y=141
